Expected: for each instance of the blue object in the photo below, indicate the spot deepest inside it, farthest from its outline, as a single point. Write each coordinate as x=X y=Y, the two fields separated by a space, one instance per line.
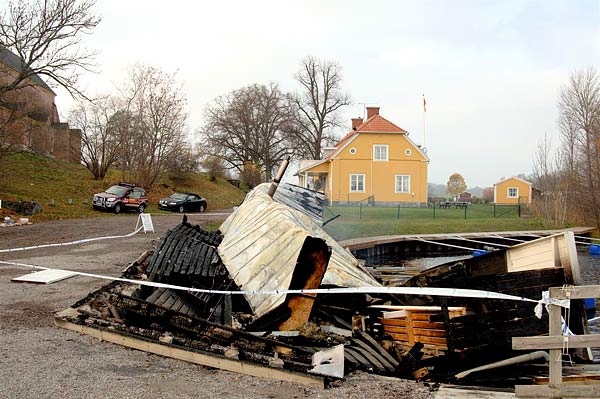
x=479 y=252
x=590 y=303
x=594 y=249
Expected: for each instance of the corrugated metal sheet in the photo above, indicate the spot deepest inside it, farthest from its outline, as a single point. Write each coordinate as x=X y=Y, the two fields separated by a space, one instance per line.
x=262 y=241
x=302 y=199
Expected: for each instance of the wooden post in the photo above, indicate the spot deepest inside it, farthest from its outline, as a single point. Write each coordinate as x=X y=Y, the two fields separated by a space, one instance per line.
x=434 y=210
x=555 y=354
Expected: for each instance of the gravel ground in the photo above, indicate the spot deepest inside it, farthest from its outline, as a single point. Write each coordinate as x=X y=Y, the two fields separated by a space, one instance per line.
x=41 y=361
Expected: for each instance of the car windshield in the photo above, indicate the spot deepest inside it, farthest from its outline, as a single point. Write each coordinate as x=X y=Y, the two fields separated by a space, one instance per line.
x=178 y=196
x=117 y=190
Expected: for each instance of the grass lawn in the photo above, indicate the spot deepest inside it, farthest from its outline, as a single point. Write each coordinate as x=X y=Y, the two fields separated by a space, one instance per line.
x=30 y=177
x=355 y=222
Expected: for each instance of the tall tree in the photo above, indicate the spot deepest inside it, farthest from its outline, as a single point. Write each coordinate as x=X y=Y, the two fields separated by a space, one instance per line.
x=247 y=129
x=317 y=105
x=579 y=122
x=47 y=37
x=456 y=184
x=100 y=133
x=152 y=122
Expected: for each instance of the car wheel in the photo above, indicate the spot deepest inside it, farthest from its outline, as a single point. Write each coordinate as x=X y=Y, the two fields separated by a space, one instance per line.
x=181 y=209
x=117 y=208
x=141 y=208
x=201 y=208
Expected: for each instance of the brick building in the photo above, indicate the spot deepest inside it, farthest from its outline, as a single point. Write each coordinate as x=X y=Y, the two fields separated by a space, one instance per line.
x=29 y=119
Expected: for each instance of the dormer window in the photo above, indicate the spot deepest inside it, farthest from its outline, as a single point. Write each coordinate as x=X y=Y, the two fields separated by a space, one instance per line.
x=380 y=152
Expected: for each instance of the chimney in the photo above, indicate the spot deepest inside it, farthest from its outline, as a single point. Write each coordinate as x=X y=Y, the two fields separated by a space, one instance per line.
x=372 y=111
x=356 y=122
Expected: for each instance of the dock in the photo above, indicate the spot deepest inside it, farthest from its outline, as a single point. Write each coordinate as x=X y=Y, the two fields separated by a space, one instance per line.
x=356 y=244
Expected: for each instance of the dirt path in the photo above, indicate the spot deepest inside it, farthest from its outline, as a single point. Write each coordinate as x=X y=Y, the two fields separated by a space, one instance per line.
x=41 y=361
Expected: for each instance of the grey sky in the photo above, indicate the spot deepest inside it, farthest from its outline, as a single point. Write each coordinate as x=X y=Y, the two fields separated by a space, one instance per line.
x=490 y=71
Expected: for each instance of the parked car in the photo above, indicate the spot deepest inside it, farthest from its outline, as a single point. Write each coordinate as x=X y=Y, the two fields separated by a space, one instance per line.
x=122 y=197
x=183 y=202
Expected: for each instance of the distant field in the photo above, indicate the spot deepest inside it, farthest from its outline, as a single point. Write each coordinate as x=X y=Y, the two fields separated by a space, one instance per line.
x=374 y=221
x=29 y=177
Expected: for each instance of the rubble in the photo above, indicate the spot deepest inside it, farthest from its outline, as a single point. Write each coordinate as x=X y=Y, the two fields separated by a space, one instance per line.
x=206 y=303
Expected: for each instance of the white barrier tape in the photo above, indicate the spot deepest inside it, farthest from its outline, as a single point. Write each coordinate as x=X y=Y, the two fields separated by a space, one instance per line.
x=62 y=244
x=450 y=292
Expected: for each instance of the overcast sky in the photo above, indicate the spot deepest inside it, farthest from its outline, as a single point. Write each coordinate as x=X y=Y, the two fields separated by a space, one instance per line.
x=491 y=71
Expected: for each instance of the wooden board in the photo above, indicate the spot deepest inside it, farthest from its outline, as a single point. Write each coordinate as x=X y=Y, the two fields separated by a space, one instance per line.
x=204 y=359
x=455 y=392
x=556 y=342
x=558 y=391
x=44 y=277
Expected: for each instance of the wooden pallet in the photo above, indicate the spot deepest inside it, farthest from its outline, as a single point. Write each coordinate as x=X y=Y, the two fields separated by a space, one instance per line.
x=408 y=325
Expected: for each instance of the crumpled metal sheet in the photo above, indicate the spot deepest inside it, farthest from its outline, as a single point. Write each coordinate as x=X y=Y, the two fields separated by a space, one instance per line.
x=262 y=241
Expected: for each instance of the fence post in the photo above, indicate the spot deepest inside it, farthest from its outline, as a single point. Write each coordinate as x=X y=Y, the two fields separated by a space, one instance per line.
x=360 y=210
x=434 y=210
x=519 y=206
x=398 y=211
x=465 y=211
x=494 y=210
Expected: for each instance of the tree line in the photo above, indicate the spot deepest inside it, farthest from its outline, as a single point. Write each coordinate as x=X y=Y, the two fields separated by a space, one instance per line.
x=569 y=176
x=252 y=129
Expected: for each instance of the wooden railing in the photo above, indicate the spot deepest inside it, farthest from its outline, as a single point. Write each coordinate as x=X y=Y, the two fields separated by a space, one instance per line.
x=556 y=342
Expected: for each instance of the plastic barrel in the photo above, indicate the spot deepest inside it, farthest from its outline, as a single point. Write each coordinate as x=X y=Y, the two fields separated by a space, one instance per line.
x=479 y=252
x=594 y=249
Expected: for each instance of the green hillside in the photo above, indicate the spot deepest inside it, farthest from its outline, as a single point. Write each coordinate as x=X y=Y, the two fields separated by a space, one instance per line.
x=29 y=177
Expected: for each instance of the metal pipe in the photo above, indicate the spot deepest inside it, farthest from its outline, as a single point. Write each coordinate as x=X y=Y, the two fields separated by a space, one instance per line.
x=278 y=177
x=482 y=242
x=447 y=245
x=507 y=362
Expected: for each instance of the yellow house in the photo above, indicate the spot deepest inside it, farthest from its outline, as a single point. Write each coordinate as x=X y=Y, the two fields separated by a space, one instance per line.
x=513 y=191
x=376 y=161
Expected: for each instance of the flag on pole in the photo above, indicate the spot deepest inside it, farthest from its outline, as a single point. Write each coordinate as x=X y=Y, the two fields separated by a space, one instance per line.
x=424 y=104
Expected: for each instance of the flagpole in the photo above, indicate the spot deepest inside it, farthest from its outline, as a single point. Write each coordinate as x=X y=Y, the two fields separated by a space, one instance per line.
x=424 y=112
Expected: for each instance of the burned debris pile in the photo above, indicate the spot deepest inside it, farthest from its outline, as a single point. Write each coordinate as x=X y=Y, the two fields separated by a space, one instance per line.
x=225 y=294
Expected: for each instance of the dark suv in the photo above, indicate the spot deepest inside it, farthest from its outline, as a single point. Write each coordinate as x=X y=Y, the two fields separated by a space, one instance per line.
x=122 y=197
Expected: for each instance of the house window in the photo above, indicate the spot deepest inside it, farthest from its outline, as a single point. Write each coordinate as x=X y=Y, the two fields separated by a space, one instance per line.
x=380 y=152
x=352 y=150
x=402 y=183
x=513 y=192
x=408 y=152
x=357 y=183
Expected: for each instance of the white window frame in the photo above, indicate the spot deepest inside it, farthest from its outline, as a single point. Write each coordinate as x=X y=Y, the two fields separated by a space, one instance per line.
x=359 y=176
x=512 y=196
x=375 y=146
x=396 y=185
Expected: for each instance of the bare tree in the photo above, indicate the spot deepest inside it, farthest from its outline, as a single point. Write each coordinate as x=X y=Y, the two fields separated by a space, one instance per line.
x=153 y=124
x=100 y=125
x=247 y=128
x=579 y=121
x=317 y=105
x=47 y=35
x=40 y=39
x=456 y=184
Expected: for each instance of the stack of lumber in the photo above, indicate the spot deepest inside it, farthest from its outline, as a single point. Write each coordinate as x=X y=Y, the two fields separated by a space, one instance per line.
x=407 y=325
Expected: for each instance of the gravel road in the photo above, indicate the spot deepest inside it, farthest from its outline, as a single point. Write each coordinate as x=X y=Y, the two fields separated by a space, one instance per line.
x=41 y=361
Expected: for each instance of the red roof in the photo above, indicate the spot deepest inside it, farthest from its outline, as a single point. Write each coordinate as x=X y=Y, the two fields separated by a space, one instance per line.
x=379 y=124
x=376 y=123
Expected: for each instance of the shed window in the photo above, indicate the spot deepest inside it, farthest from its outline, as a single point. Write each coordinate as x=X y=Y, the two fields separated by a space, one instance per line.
x=357 y=183
x=380 y=152
x=402 y=183
x=513 y=192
